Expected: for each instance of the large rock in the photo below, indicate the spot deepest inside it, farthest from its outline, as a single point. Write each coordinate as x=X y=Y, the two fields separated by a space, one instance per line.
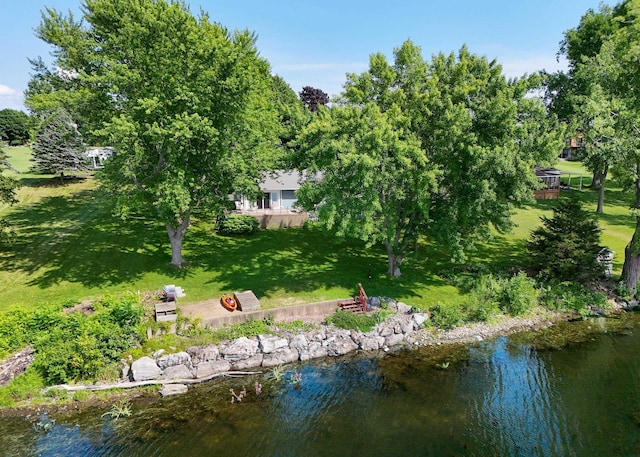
x=241 y=349
x=251 y=362
x=177 y=372
x=403 y=308
x=173 y=389
x=394 y=340
x=340 y=343
x=205 y=369
x=282 y=356
x=201 y=354
x=271 y=343
x=371 y=342
x=419 y=319
x=145 y=369
x=315 y=350
x=172 y=360
x=299 y=342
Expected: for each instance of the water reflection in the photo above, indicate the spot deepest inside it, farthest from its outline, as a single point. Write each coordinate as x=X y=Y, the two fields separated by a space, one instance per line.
x=533 y=394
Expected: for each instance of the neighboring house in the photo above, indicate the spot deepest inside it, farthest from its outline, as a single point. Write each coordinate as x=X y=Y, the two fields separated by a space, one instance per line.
x=99 y=155
x=573 y=147
x=276 y=205
x=551 y=179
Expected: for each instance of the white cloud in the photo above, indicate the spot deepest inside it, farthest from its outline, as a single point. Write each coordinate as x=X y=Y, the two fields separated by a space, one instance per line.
x=11 y=98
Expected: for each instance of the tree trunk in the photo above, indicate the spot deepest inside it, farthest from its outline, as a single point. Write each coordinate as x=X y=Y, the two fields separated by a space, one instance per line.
x=631 y=266
x=62 y=177
x=600 y=207
x=597 y=179
x=394 y=262
x=176 y=236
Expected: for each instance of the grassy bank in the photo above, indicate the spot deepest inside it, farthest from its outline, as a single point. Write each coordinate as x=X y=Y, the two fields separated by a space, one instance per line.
x=68 y=247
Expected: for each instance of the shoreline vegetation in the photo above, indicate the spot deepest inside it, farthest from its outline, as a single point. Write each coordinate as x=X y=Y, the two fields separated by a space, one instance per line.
x=103 y=394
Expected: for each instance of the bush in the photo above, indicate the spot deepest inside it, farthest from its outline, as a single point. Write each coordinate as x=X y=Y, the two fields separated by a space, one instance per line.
x=352 y=321
x=519 y=295
x=238 y=225
x=84 y=346
x=566 y=296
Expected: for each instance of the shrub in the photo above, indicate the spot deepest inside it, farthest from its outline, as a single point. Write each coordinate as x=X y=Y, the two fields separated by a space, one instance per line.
x=238 y=225
x=519 y=295
x=565 y=296
x=84 y=346
x=352 y=321
x=484 y=299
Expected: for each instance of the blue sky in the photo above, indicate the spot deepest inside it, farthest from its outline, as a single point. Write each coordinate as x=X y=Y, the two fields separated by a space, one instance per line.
x=316 y=43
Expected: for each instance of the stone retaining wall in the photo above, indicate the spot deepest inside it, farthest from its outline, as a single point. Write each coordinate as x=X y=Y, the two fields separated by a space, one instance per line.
x=272 y=350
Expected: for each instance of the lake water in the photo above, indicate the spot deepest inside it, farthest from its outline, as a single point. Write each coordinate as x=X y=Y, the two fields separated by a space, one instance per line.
x=571 y=390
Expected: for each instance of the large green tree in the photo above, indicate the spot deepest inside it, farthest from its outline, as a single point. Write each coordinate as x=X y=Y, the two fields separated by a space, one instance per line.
x=14 y=127
x=185 y=103
x=469 y=141
x=616 y=71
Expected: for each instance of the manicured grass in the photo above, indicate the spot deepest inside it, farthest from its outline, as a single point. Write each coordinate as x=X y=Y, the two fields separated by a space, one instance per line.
x=68 y=247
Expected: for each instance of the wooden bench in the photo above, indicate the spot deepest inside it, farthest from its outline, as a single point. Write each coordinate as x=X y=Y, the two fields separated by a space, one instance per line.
x=166 y=312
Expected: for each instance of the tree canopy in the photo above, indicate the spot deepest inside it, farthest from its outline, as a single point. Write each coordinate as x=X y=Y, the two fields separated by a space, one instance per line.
x=313 y=98
x=185 y=103
x=14 y=127
x=449 y=149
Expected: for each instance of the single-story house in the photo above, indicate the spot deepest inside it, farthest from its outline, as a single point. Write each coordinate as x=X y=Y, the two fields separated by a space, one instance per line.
x=276 y=204
x=278 y=193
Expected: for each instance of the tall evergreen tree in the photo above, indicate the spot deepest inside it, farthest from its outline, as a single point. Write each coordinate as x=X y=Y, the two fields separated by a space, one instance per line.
x=566 y=247
x=58 y=147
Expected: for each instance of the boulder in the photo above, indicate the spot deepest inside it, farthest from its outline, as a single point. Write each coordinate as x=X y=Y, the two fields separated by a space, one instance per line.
x=172 y=360
x=173 y=389
x=177 y=372
x=280 y=357
x=241 y=349
x=341 y=345
x=271 y=343
x=393 y=340
x=315 y=350
x=403 y=308
x=371 y=342
x=145 y=369
x=299 y=342
x=201 y=354
x=251 y=362
x=205 y=369
x=419 y=319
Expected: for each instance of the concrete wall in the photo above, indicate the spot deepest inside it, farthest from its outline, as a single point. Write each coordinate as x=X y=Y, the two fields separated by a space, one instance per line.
x=288 y=312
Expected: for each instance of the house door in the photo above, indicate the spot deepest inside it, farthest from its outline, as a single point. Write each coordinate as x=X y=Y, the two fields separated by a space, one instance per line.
x=265 y=201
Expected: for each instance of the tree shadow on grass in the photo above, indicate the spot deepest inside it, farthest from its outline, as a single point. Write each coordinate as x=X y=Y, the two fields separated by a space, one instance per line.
x=76 y=239
x=299 y=260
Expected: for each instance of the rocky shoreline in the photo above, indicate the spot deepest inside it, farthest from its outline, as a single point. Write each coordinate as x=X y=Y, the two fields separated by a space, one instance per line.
x=402 y=329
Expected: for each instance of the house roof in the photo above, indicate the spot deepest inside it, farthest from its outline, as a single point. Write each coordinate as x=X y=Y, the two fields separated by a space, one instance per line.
x=282 y=180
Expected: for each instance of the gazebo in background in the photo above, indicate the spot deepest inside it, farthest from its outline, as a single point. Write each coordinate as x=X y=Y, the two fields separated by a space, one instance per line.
x=550 y=177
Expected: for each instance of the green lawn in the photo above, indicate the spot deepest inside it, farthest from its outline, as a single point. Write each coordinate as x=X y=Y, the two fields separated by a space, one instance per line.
x=68 y=247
